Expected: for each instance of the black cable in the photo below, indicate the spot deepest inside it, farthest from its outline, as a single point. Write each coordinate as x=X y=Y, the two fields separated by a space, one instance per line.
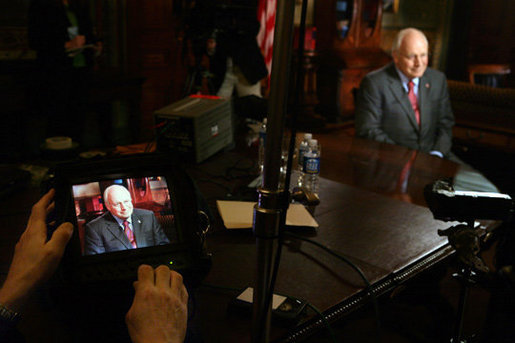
x=163 y=130
x=275 y=270
x=227 y=175
x=324 y=320
x=335 y=254
x=313 y=307
x=368 y=288
x=235 y=167
x=149 y=145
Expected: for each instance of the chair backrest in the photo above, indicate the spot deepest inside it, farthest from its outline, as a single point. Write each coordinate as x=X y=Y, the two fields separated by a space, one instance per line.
x=488 y=74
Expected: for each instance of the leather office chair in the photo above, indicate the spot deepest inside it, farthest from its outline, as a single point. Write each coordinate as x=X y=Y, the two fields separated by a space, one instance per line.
x=488 y=74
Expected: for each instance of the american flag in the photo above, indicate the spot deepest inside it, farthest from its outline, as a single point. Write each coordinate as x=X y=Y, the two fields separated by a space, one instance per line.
x=265 y=37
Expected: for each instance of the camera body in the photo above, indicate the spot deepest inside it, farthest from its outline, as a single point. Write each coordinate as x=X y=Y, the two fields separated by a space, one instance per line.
x=160 y=189
x=448 y=204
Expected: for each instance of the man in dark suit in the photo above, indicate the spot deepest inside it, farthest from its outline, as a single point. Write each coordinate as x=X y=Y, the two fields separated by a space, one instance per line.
x=406 y=103
x=123 y=227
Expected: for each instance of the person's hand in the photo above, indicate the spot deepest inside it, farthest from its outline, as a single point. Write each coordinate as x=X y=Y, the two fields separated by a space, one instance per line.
x=76 y=43
x=159 y=311
x=35 y=259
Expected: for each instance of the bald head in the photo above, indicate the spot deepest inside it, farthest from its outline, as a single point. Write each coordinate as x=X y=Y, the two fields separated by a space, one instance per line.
x=410 y=52
x=118 y=201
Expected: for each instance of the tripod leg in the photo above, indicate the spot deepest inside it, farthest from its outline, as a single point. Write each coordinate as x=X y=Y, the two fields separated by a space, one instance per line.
x=462 y=305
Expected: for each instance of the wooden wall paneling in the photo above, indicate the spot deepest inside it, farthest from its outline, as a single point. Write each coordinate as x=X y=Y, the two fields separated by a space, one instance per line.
x=109 y=24
x=370 y=22
x=491 y=37
x=352 y=39
x=154 y=51
x=344 y=62
x=478 y=137
x=350 y=79
x=324 y=21
x=430 y=16
x=362 y=32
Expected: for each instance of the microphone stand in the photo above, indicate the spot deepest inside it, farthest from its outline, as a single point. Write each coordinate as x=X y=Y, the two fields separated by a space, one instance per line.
x=269 y=208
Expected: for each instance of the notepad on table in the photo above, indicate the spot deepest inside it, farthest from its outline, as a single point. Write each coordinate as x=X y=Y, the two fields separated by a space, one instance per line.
x=239 y=215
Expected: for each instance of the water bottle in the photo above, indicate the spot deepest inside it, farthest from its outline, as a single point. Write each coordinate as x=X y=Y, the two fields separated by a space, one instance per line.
x=262 y=140
x=303 y=147
x=312 y=166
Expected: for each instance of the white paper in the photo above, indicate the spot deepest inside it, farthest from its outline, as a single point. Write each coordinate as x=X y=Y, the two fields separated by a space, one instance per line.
x=239 y=214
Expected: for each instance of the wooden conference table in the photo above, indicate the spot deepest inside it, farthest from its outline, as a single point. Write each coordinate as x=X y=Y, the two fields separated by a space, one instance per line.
x=366 y=214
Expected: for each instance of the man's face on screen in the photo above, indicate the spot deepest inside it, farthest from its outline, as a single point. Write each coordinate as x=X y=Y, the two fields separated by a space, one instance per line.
x=120 y=203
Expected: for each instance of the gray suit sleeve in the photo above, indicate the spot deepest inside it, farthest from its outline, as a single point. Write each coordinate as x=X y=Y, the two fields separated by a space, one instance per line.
x=443 y=139
x=92 y=241
x=159 y=235
x=369 y=112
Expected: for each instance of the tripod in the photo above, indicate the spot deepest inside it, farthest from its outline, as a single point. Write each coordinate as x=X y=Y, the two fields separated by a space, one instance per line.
x=465 y=240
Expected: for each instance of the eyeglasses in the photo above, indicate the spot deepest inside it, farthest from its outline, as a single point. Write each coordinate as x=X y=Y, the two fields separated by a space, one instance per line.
x=125 y=203
x=413 y=57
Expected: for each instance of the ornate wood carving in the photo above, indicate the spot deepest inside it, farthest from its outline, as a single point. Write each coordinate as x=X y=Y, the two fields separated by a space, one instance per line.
x=346 y=55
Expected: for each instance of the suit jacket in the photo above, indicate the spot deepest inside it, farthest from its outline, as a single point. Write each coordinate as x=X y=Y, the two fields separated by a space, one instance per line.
x=104 y=234
x=384 y=112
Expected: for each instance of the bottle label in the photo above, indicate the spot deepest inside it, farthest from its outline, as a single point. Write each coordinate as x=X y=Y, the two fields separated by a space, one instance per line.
x=311 y=165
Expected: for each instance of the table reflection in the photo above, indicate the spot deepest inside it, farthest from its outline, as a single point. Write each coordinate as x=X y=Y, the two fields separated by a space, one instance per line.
x=392 y=170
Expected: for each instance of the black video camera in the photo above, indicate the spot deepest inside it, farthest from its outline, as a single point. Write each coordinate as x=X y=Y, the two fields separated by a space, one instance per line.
x=448 y=204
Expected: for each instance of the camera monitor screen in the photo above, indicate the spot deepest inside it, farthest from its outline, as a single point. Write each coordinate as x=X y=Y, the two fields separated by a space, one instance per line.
x=124 y=213
x=128 y=211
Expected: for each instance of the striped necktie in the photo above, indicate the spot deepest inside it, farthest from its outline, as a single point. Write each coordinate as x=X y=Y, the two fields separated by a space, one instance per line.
x=129 y=233
x=413 y=99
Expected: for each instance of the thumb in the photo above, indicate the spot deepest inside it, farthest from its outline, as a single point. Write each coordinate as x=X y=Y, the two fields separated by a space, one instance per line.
x=60 y=238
